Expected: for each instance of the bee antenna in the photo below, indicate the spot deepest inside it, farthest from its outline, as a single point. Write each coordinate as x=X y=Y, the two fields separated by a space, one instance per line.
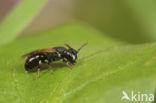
x=68 y=46
x=82 y=46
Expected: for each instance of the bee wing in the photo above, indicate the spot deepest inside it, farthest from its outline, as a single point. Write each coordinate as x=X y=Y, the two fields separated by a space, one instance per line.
x=47 y=50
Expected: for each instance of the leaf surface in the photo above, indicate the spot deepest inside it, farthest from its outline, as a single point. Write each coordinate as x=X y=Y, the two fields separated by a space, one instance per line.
x=104 y=70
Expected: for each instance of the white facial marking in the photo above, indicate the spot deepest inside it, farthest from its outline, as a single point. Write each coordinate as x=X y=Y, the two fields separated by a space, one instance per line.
x=73 y=57
x=40 y=62
x=31 y=59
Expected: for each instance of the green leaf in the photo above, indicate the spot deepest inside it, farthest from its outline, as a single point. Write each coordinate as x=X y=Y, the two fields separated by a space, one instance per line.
x=144 y=11
x=132 y=21
x=18 y=19
x=104 y=70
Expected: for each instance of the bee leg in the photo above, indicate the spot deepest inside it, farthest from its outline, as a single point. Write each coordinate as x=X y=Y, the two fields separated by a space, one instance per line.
x=37 y=73
x=67 y=64
x=51 y=68
x=26 y=71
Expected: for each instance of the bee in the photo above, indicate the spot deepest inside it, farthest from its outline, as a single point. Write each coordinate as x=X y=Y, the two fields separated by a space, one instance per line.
x=46 y=56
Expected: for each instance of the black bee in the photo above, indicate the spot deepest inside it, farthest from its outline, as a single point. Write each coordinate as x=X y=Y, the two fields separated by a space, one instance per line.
x=48 y=55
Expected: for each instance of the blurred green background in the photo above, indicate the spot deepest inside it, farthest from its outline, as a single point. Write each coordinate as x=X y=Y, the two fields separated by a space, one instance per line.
x=132 y=21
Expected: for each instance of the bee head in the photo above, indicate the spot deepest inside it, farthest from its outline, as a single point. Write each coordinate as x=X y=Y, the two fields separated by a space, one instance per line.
x=71 y=53
x=72 y=56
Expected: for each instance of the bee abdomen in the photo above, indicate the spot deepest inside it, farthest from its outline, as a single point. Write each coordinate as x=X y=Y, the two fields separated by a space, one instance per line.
x=34 y=61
